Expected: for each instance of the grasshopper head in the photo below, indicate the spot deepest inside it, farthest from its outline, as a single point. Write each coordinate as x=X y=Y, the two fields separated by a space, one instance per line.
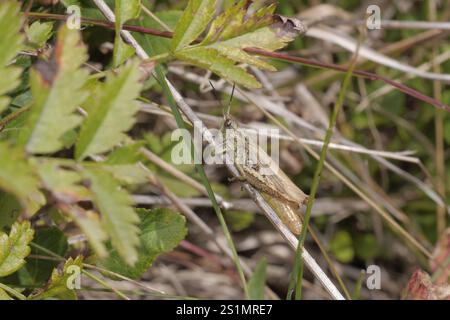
x=228 y=123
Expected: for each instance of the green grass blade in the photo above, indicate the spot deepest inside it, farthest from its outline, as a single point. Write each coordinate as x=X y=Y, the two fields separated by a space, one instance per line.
x=297 y=273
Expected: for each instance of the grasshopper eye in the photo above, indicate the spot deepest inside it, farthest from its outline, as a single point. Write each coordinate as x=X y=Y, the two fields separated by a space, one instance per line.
x=228 y=123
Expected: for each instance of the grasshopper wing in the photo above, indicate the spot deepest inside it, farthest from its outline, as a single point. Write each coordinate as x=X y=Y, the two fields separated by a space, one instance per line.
x=276 y=182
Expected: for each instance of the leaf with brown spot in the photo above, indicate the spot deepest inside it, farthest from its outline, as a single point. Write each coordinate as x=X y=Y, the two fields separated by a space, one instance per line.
x=236 y=29
x=57 y=87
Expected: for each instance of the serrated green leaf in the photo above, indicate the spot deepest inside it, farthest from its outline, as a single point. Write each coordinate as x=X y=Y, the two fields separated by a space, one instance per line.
x=127 y=174
x=124 y=11
x=257 y=282
x=89 y=222
x=122 y=163
x=127 y=10
x=36 y=272
x=161 y=231
x=17 y=178
x=10 y=210
x=113 y=113
x=8 y=81
x=233 y=31
x=265 y=38
x=38 y=33
x=57 y=88
x=9 y=31
x=213 y=60
x=196 y=17
x=127 y=154
x=60 y=281
x=154 y=142
x=10 y=45
x=15 y=247
x=65 y=185
x=238 y=21
x=118 y=216
x=122 y=51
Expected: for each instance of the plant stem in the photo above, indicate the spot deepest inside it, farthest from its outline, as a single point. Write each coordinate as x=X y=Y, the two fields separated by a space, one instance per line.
x=159 y=75
x=297 y=274
x=106 y=285
x=201 y=171
x=439 y=133
x=4 y=122
x=442 y=267
x=155 y=17
x=12 y=291
x=274 y=55
x=161 y=58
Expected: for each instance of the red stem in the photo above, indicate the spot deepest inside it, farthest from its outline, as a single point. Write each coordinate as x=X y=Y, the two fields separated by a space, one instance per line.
x=274 y=55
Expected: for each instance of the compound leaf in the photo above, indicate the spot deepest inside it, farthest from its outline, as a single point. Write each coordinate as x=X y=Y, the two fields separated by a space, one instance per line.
x=18 y=179
x=65 y=185
x=57 y=88
x=61 y=281
x=196 y=17
x=38 y=33
x=118 y=216
x=161 y=231
x=10 y=45
x=89 y=222
x=236 y=29
x=15 y=247
x=221 y=65
x=112 y=113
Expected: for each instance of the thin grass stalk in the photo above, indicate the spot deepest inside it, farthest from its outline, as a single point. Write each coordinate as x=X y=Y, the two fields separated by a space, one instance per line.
x=297 y=274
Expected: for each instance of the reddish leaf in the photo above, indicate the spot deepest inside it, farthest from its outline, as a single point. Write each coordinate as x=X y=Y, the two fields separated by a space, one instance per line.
x=420 y=287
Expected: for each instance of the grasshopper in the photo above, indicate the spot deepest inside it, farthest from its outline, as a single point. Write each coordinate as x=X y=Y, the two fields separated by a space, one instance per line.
x=258 y=169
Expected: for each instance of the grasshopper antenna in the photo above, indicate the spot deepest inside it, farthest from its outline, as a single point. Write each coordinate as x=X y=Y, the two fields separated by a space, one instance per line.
x=231 y=99
x=212 y=86
x=216 y=96
x=226 y=111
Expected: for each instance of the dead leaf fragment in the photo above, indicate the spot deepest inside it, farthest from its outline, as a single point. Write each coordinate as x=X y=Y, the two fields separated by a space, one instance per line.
x=290 y=27
x=420 y=287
